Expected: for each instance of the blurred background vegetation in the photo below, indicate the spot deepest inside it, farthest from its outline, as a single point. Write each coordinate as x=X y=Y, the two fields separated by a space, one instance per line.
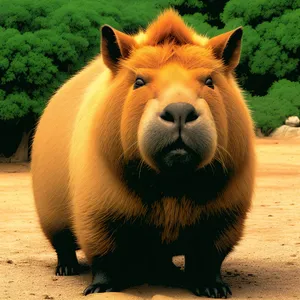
x=43 y=43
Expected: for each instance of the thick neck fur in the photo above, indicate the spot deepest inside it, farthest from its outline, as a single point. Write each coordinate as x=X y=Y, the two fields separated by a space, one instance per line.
x=200 y=187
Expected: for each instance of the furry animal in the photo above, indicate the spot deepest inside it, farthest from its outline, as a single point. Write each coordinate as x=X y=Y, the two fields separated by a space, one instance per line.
x=145 y=154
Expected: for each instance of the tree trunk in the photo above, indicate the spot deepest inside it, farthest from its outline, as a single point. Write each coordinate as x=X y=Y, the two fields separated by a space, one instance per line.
x=21 y=155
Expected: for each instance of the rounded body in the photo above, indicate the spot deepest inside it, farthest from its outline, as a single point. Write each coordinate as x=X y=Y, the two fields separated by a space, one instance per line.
x=117 y=172
x=51 y=150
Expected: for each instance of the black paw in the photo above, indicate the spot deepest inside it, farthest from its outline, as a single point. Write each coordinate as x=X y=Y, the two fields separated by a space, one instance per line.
x=67 y=270
x=99 y=288
x=216 y=290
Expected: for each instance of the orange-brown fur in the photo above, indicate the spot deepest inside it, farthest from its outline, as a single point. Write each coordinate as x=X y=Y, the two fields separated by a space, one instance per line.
x=78 y=147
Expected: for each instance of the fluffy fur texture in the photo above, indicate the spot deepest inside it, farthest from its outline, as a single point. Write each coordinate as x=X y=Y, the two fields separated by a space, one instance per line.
x=91 y=170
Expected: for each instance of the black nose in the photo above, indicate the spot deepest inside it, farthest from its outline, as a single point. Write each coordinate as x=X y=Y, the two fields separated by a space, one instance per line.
x=179 y=113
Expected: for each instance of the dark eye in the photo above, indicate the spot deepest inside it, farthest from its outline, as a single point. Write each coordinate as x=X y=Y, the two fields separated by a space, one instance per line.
x=138 y=83
x=209 y=83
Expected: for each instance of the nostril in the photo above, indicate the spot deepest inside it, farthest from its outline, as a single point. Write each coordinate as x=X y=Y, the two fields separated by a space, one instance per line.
x=192 y=116
x=179 y=113
x=166 y=116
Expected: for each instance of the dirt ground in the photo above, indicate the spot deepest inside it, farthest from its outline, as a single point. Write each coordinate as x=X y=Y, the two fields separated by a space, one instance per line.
x=266 y=264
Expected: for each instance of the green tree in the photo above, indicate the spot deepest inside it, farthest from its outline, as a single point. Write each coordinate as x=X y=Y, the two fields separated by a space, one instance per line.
x=282 y=101
x=271 y=44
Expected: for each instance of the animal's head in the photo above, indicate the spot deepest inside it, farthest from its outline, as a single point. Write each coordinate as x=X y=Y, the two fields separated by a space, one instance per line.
x=178 y=104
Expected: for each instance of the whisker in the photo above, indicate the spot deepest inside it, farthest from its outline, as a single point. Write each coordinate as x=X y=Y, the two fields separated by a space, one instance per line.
x=140 y=167
x=129 y=148
x=226 y=151
x=221 y=159
x=213 y=168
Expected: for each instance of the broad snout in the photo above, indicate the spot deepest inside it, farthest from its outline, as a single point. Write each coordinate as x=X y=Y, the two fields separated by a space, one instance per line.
x=177 y=137
x=179 y=114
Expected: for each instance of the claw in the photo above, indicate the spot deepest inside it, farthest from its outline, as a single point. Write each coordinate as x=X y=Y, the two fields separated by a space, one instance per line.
x=213 y=290
x=224 y=290
x=198 y=292
x=215 y=293
x=87 y=291
x=207 y=292
x=66 y=271
x=229 y=290
x=98 y=288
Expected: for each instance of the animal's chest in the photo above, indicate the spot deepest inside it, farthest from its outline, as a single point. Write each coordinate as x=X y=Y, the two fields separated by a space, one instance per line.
x=170 y=225
x=172 y=217
x=176 y=209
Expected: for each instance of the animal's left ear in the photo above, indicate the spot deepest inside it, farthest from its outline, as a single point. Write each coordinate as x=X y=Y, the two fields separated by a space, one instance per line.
x=227 y=46
x=115 y=45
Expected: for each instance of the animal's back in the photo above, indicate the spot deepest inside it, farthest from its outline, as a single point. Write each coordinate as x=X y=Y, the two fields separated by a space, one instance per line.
x=50 y=150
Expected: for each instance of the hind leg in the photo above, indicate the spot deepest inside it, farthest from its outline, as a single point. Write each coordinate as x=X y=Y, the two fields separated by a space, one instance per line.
x=65 y=246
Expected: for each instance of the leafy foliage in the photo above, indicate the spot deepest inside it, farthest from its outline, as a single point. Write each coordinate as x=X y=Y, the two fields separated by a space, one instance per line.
x=271 y=45
x=282 y=101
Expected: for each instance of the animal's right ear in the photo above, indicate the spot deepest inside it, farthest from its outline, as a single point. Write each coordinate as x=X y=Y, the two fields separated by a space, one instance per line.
x=115 y=45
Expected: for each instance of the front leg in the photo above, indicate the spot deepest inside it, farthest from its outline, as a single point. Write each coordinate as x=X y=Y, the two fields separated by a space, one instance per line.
x=111 y=273
x=208 y=245
x=203 y=272
x=103 y=277
x=123 y=267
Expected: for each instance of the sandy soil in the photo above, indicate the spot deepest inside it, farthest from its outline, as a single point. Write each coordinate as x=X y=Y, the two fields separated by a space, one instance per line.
x=265 y=265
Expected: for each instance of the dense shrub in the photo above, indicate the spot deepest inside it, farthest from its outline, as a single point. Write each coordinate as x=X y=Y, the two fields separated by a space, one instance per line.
x=282 y=101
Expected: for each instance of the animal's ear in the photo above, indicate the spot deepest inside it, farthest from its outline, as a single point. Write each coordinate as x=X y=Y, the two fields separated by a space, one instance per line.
x=115 y=45
x=227 y=46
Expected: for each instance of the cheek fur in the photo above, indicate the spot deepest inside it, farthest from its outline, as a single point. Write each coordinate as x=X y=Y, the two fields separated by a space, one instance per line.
x=219 y=114
x=133 y=110
x=208 y=130
x=151 y=109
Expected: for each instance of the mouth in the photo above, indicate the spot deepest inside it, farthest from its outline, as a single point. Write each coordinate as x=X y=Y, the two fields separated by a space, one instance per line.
x=177 y=158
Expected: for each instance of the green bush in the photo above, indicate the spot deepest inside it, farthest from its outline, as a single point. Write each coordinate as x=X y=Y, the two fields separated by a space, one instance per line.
x=282 y=101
